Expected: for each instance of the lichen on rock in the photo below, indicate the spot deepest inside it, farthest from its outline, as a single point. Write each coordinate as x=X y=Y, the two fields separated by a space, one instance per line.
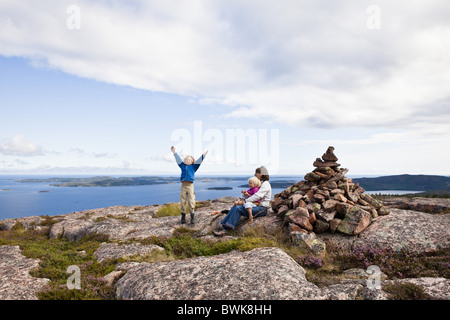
x=16 y=283
x=262 y=274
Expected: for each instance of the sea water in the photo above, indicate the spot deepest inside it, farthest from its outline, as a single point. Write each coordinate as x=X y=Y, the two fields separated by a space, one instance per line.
x=19 y=199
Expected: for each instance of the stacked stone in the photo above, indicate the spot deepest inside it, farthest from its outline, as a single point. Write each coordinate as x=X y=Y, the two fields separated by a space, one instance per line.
x=326 y=201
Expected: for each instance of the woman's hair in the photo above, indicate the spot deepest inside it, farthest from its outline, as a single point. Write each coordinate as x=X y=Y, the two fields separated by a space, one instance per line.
x=255 y=181
x=264 y=173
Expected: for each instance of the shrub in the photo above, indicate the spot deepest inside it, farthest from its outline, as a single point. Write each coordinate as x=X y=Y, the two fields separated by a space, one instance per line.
x=250 y=243
x=310 y=261
x=405 y=291
x=398 y=264
x=186 y=246
x=48 y=221
x=56 y=256
x=92 y=287
x=171 y=209
x=174 y=209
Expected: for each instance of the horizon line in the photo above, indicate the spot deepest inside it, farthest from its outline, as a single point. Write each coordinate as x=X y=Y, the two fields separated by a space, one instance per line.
x=296 y=175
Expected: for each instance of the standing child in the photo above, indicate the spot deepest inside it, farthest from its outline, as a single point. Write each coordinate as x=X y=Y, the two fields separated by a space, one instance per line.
x=187 y=196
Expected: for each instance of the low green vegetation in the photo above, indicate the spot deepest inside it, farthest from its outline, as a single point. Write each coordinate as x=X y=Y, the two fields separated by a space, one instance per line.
x=396 y=265
x=170 y=209
x=174 y=208
x=405 y=291
x=56 y=256
x=185 y=244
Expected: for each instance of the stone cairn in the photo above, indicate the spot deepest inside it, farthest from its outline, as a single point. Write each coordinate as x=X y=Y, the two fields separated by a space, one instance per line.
x=326 y=201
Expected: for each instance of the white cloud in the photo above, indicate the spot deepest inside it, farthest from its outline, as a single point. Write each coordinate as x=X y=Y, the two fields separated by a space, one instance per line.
x=163 y=157
x=19 y=146
x=161 y=46
x=436 y=135
x=77 y=151
x=46 y=169
x=81 y=153
x=296 y=62
x=104 y=155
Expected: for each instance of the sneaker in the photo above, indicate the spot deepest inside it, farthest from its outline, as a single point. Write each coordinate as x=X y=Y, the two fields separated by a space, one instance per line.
x=218 y=234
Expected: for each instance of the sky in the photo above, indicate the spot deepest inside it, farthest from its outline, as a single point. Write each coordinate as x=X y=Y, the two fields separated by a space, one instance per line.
x=107 y=87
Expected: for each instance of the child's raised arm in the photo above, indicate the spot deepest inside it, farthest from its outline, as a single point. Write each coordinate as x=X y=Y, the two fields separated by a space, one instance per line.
x=177 y=157
x=199 y=161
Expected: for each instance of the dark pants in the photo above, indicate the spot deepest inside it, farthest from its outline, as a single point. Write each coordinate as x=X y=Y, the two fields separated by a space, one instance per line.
x=231 y=220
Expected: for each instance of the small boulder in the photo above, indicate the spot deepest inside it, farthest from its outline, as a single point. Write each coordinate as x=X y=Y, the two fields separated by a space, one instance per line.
x=115 y=251
x=325 y=215
x=329 y=204
x=321 y=226
x=355 y=221
x=334 y=224
x=301 y=218
x=309 y=241
x=16 y=283
x=221 y=277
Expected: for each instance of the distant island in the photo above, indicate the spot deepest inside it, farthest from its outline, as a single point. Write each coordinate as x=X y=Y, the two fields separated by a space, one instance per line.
x=101 y=181
x=275 y=184
x=395 y=182
x=107 y=181
x=405 y=182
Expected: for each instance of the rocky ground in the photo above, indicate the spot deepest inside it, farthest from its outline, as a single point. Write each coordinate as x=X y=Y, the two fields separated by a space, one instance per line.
x=261 y=273
x=16 y=283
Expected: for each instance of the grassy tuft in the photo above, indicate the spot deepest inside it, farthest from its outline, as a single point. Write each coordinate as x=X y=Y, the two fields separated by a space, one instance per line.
x=56 y=256
x=405 y=291
x=186 y=246
x=174 y=209
x=170 y=209
x=399 y=264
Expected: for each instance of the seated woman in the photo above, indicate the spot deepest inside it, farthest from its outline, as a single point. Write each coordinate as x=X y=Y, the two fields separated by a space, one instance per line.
x=263 y=195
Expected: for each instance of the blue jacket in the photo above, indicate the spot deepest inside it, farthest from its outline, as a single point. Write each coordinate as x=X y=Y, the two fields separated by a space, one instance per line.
x=188 y=172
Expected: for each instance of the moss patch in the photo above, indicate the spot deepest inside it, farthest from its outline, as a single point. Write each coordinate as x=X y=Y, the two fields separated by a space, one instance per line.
x=174 y=209
x=56 y=256
x=405 y=291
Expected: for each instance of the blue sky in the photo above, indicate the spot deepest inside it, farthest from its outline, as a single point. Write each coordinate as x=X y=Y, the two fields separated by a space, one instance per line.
x=106 y=87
